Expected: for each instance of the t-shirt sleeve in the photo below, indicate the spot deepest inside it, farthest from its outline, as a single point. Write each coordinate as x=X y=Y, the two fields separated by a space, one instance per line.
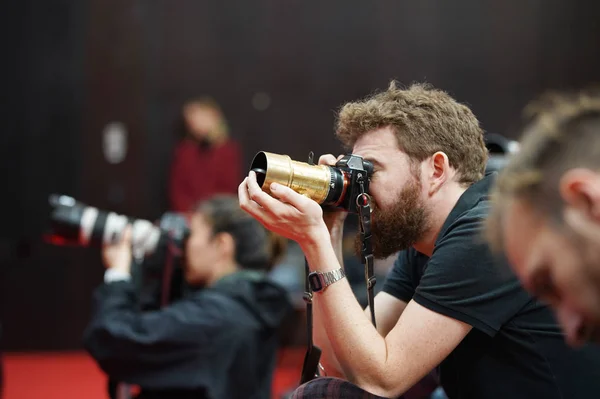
x=463 y=280
x=399 y=281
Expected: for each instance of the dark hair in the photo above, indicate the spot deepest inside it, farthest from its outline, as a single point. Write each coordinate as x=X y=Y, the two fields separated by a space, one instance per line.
x=255 y=247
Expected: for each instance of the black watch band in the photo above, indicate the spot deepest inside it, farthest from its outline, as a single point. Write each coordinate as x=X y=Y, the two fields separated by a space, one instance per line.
x=319 y=281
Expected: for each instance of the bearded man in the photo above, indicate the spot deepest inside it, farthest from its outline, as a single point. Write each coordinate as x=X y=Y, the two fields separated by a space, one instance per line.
x=446 y=302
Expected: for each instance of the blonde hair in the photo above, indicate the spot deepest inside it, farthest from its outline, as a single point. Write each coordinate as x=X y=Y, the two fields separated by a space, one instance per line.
x=221 y=133
x=425 y=120
x=563 y=133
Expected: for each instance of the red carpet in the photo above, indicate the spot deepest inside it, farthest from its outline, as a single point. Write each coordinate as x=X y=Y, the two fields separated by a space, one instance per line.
x=75 y=375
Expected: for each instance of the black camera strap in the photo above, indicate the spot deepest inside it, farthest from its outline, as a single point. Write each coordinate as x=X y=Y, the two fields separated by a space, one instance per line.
x=363 y=203
x=313 y=353
x=172 y=252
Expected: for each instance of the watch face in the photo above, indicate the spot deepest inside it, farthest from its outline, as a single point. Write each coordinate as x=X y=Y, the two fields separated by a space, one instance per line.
x=315 y=282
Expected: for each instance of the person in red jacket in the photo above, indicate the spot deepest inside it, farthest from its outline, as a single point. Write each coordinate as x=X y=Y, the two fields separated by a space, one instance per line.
x=207 y=161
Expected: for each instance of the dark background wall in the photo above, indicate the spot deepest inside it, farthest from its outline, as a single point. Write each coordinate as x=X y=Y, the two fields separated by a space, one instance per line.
x=71 y=67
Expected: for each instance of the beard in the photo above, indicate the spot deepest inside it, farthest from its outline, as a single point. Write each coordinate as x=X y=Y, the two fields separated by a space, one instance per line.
x=400 y=226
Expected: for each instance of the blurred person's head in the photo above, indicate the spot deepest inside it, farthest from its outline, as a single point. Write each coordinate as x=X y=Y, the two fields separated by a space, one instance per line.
x=546 y=212
x=425 y=146
x=204 y=121
x=224 y=239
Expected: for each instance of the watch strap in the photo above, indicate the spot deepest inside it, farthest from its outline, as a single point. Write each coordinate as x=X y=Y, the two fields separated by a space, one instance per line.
x=320 y=280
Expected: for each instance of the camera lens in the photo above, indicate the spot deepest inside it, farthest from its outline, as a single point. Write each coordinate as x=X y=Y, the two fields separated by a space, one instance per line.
x=260 y=175
x=337 y=187
x=65 y=221
x=259 y=166
x=76 y=223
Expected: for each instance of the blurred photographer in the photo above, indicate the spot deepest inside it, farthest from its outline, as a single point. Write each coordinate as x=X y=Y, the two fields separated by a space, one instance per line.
x=446 y=302
x=546 y=213
x=220 y=340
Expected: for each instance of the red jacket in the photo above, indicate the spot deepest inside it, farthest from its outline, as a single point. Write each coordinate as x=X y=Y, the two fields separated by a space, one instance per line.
x=198 y=173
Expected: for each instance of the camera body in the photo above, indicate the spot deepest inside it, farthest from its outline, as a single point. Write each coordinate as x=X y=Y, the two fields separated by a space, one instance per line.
x=331 y=186
x=357 y=172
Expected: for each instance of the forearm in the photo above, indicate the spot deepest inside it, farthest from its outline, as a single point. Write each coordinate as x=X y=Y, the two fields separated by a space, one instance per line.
x=360 y=350
x=114 y=296
x=114 y=308
x=126 y=342
x=328 y=359
x=337 y=234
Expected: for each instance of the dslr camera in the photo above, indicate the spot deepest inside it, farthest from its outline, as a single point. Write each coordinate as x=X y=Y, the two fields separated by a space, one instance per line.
x=332 y=187
x=75 y=223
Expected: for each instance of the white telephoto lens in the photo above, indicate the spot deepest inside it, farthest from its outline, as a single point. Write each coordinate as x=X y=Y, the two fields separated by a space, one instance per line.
x=115 y=224
x=145 y=236
x=88 y=219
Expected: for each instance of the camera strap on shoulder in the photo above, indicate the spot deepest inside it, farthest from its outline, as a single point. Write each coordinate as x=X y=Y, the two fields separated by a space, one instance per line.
x=313 y=353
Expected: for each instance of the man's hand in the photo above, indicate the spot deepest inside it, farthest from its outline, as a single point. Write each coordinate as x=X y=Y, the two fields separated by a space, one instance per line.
x=333 y=219
x=289 y=214
x=118 y=256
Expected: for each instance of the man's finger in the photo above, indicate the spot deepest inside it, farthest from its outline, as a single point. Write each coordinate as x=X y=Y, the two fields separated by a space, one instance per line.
x=245 y=202
x=263 y=199
x=251 y=207
x=259 y=204
x=327 y=159
x=289 y=196
x=126 y=235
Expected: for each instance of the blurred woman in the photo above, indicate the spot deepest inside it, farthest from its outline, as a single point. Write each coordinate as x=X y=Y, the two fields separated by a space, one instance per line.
x=220 y=340
x=206 y=161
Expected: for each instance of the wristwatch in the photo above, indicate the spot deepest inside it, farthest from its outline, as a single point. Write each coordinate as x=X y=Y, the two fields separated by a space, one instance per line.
x=319 y=281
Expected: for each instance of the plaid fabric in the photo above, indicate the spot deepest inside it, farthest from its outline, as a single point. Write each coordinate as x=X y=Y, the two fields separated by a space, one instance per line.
x=331 y=388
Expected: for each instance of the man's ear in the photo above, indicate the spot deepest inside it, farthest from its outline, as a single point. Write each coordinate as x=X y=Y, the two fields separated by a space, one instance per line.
x=580 y=189
x=439 y=167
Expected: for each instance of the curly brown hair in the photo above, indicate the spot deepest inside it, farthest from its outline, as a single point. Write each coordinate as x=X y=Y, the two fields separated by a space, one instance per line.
x=563 y=133
x=425 y=120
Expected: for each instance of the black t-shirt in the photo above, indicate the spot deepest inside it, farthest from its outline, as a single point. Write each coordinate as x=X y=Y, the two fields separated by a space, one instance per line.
x=515 y=349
